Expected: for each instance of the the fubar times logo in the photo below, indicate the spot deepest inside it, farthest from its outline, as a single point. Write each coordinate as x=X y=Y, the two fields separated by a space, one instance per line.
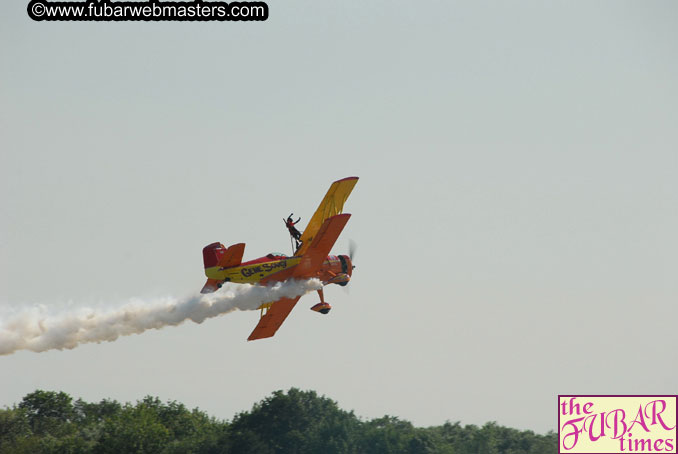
x=598 y=424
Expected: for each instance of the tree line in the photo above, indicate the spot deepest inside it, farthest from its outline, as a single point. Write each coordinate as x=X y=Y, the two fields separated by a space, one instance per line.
x=285 y=422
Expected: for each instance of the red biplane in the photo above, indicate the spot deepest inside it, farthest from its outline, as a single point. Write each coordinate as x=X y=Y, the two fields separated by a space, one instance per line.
x=310 y=260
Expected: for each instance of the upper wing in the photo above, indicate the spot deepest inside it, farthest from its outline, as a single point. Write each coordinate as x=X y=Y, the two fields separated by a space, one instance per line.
x=271 y=321
x=321 y=245
x=331 y=205
x=309 y=265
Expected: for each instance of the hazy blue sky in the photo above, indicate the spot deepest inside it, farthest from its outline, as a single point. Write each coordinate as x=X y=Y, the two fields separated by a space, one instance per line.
x=516 y=213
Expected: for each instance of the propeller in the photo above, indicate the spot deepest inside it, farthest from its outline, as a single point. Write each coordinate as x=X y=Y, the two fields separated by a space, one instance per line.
x=352 y=248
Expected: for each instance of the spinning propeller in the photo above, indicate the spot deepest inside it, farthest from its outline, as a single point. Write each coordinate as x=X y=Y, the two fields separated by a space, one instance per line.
x=352 y=248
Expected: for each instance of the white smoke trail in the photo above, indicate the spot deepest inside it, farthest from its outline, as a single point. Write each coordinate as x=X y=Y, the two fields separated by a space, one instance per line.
x=38 y=331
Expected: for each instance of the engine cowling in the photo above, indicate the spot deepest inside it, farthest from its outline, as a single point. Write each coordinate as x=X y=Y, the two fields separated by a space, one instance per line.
x=336 y=269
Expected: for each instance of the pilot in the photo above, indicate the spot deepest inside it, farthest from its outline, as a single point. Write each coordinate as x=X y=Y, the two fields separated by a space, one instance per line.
x=290 y=224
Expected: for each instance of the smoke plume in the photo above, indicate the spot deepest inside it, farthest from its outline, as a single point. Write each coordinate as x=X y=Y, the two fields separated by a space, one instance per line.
x=36 y=330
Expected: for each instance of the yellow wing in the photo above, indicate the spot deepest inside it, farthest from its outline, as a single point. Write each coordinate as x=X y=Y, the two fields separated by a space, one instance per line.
x=331 y=205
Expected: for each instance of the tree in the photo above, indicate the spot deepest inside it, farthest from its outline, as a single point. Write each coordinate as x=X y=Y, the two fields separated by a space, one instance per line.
x=296 y=422
x=135 y=429
x=48 y=412
x=86 y=413
x=14 y=426
x=390 y=434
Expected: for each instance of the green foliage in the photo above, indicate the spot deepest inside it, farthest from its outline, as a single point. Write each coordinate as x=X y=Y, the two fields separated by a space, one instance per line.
x=292 y=422
x=48 y=412
x=492 y=439
x=14 y=427
x=390 y=434
x=296 y=422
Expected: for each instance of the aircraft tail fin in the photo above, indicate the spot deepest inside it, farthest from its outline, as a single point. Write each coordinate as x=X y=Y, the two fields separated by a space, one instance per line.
x=216 y=257
x=232 y=256
x=216 y=254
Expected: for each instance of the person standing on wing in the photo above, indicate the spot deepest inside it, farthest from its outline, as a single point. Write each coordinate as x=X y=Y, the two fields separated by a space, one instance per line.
x=296 y=234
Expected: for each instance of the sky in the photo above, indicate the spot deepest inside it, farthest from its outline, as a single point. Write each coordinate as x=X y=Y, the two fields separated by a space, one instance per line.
x=516 y=212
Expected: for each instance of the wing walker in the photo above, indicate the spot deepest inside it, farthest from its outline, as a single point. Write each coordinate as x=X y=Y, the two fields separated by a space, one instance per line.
x=310 y=260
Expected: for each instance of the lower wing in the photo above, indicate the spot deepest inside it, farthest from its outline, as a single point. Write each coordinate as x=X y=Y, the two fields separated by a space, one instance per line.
x=271 y=321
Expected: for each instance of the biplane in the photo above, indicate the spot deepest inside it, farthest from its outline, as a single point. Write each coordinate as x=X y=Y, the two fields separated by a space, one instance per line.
x=310 y=260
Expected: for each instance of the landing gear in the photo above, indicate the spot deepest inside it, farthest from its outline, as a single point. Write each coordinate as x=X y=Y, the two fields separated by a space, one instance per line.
x=323 y=307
